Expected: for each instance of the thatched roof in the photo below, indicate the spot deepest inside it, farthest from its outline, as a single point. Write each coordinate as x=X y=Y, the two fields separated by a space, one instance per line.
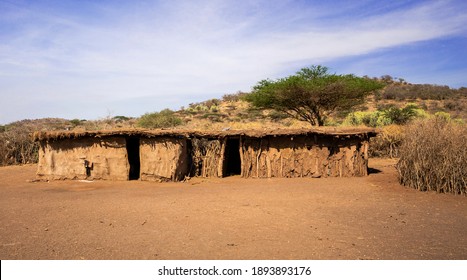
x=331 y=131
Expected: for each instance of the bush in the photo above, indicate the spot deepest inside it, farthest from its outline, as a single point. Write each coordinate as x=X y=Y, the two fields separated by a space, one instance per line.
x=163 y=119
x=354 y=119
x=387 y=142
x=401 y=116
x=385 y=115
x=17 y=147
x=433 y=156
x=75 y=122
x=372 y=119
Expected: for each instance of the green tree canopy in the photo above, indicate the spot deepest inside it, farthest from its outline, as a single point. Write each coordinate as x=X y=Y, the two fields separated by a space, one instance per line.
x=312 y=93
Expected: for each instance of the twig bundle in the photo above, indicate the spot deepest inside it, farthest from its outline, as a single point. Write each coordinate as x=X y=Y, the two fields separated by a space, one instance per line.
x=434 y=157
x=205 y=157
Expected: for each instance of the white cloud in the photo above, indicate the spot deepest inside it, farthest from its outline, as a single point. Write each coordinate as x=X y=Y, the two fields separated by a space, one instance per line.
x=189 y=49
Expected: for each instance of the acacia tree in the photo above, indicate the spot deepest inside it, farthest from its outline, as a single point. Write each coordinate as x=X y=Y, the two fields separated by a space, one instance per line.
x=312 y=93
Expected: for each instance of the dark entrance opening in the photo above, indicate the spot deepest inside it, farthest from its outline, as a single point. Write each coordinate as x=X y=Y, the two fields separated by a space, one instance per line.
x=132 y=148
x=232 y=161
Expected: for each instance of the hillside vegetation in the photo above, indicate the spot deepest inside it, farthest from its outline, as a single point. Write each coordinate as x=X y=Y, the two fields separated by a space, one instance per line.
x=389 y=108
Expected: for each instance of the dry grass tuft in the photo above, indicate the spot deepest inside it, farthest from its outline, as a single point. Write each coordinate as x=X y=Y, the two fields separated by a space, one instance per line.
x=387 y=142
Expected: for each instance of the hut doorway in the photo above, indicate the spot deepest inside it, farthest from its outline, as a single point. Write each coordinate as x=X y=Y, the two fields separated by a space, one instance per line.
x=132 y=148
x=232 y=161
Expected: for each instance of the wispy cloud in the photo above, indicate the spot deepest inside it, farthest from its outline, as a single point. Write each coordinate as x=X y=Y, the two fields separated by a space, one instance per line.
x=109 y=53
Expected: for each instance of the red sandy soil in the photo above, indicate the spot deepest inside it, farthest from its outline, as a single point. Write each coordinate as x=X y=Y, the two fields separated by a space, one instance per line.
x=230 y=218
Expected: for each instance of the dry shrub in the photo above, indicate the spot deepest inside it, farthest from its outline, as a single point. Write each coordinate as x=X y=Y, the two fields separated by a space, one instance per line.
x=163 y=119
x=434 y=156
x=388 y=141
x=17 y=147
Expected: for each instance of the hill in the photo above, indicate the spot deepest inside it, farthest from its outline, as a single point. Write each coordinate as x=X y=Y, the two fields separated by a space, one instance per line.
x=232 y=112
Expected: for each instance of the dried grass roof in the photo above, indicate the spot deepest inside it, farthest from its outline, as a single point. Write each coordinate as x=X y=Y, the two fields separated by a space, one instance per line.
x=332 y=131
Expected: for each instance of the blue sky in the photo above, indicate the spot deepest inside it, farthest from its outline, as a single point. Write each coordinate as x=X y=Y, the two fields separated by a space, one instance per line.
x=91 y=59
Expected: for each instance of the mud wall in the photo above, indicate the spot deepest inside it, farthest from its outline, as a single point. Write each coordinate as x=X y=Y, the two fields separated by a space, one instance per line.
x=65 y=159
x=166 y=158
x=304 y=156
x=163 y=158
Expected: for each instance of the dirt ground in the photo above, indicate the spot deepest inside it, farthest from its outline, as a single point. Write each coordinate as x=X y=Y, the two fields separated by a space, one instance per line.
x=231 y=218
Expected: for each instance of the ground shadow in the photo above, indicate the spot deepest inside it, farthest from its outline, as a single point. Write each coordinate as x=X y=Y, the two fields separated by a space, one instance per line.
x=373 y=171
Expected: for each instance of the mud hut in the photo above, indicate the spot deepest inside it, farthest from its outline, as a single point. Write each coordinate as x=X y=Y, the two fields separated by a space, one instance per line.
x=172 y=155
x=112 y=155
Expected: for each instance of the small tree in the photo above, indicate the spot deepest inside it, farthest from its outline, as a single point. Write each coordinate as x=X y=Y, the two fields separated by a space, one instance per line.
x=120 y=119
x=312 y=93
x=163 y=119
